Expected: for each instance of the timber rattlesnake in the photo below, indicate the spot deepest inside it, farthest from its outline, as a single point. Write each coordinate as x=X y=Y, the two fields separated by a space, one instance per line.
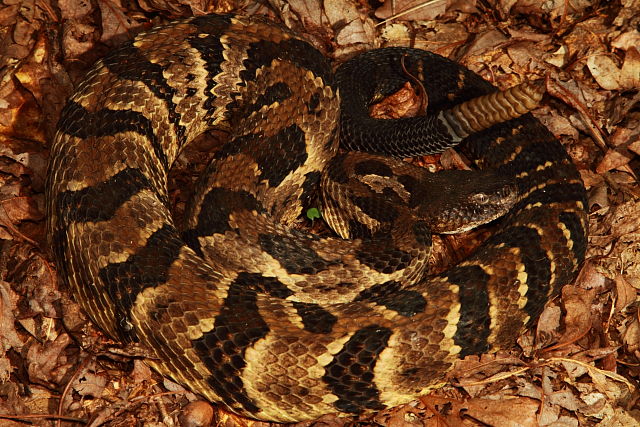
x=238 y=328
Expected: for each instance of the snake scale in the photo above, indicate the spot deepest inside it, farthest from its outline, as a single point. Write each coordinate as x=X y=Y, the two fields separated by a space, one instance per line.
x=293 y=326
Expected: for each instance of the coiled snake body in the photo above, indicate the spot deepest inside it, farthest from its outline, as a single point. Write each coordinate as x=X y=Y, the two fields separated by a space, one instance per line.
x=277 y=324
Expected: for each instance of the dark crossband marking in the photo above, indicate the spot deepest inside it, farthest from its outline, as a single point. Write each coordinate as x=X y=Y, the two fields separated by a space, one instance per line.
x=293 y=254
x=213 y=217
x=473 y=328
x=536 y=262
x=309 y=186
x=413 y=187
x=214 y=25
x=385 y=259
x=313 y=105
x=358 y=229
x=376 y=208
x=315 y=318
x=237 y=327
x=101 y=201
x=267 y=285
x=83 y=124
x=262 y=53
x=277 y=92
x=422 y=233
x=350 y=374
x=276 y=155
x=211 y=51
x=148 y=267
x=151 y=75
x=335 y=169
x=390 y=295
x=368 y=167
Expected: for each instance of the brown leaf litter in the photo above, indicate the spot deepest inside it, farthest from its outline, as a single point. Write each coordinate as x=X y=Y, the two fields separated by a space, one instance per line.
x=579 y=367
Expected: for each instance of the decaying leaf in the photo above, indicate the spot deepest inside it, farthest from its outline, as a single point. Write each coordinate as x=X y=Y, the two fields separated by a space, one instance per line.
x=613 y=77
x=581 y=368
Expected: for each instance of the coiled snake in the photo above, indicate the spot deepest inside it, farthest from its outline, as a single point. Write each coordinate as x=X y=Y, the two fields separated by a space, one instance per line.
x=278 y=324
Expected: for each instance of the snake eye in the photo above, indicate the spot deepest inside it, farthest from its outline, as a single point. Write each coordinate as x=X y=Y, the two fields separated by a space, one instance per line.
x=480 y=198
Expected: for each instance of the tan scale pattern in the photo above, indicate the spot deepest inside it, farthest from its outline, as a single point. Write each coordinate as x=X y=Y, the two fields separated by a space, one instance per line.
x=386 y=345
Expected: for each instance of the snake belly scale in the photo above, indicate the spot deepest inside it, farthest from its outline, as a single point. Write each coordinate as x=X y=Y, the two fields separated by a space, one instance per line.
x=249 y=328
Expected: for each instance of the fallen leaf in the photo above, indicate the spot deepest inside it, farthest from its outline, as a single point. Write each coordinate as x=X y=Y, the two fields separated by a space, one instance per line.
x=625 y=293
x=613 y=159
x=89 y=383
x=9 y=337
x=349 y=25
x=624 y=219
x=610 y=76
x=406 y=102
x=413 y=10
x=627 y=40
x=516 y=412
x=579 y=317
x=42 y=359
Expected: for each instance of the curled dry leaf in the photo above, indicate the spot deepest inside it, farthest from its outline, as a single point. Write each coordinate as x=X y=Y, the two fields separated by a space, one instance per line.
x=548 y=325
x=602 y=393
x=350 y=26
x=514 y=411
x=413 y=10
x=9 y=337
x=404 y=103
x=614 y=159
x=475 y=373
x=89 y=383
x=627 y=40
x=625 y=292
x=116 y=25
x=612 y=77
x=630 y=331
x=553 y=8
x=624 y=219
x=579 y=314
x=20 y=209
x=43 y=363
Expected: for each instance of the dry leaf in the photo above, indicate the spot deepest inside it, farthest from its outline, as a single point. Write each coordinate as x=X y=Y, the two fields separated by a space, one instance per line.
x=516 y=412
x=413 y=10
x=548 y=324
x=614 y=159
x=404 y=103
x=350 y=26
x=610 y=76
x=89 y=383
x=9 y=338
x=579 y=317
x=42 y=360
x=627 y=40
x=624 y=220
x=116 y=26
x=626 y=294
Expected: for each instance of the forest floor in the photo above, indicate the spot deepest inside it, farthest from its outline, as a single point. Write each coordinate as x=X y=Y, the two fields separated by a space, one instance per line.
x=579 y=367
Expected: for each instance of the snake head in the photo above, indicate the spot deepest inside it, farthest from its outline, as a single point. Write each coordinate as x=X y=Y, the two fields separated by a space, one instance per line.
x=456 y=201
